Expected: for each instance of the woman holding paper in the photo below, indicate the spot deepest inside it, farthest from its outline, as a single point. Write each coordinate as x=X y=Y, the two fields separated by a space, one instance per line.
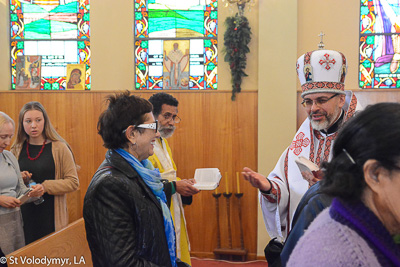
x=11 y=187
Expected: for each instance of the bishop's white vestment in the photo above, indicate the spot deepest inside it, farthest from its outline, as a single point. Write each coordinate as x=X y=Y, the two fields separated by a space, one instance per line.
x=288 y=185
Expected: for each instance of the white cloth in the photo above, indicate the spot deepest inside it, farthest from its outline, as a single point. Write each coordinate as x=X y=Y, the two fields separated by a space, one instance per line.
x=170 y=174
x=288 y=184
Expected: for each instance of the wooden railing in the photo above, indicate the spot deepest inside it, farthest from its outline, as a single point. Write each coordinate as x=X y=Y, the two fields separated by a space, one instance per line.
x=63 y=248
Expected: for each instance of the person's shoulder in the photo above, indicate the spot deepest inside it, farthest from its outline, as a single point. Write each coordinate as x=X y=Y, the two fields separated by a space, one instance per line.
x=314 y=246
x=9 y=156
x=8 y=153
x=60 y=147
x=59 y=144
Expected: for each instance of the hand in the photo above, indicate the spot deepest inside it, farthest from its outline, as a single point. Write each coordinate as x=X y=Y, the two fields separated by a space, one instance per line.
x=185 y=188
x=38 y=190
x=190 y=181
x=9 y=202
x=256 y=180
x=26 y=176
x=310 y=177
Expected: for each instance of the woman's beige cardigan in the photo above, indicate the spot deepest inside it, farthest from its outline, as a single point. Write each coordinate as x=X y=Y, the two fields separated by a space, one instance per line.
x=66 y=181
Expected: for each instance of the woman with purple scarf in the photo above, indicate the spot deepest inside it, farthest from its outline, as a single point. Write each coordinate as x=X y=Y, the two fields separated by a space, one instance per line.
x=362 y=226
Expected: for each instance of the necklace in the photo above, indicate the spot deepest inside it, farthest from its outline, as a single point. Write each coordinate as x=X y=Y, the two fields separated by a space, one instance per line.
x=40 y=152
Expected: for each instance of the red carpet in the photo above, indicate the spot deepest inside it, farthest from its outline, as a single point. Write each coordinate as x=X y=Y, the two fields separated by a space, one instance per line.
x=196 y=262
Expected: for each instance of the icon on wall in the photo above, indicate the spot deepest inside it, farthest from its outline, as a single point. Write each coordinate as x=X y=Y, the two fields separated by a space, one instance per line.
x=76 y=77
x=176 y=69
x=28 y=72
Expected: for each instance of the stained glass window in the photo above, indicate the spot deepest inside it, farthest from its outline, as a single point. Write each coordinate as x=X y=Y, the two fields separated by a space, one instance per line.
x=47 y=36
x=379 y=44
x=175 y=44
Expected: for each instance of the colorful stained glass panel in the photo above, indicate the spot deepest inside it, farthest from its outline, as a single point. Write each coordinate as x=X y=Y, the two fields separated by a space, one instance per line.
x=181 y=44
x=58 y=31
x=379 y=44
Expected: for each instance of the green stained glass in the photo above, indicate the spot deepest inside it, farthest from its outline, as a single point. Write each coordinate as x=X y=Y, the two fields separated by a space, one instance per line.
x=185 y=23
x=361 y=84
x=144 y=44
x=20 y=45
x=55 y=86
x=31 y=8
x=136 y=5
x=138 y=16
x=141 y=67
x=81 y=45
x=47 y=86
x=41 y=26
x=13 y=86
x=214 y=14
x=210 y=66
x=367 y=64
x=88 y=86
x=370 y=40
x=207 y=43
x=14 y=17
x=137 y=85
x=86 y=17
x=57 y=27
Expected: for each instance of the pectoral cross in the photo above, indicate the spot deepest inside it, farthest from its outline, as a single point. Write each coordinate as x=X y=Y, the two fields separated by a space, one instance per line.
x=321 y=44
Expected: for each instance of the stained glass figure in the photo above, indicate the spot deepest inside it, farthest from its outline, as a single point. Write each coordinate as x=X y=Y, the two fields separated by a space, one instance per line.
x=56 y=30
x=176 y=44
x=379 y=44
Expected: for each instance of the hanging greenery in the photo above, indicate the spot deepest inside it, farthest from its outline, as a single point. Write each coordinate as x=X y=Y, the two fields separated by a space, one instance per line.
x=236 y=40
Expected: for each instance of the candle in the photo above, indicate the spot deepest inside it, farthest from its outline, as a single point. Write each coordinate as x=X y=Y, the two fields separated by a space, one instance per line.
x=216 y=191
x=226 y=183
x=237 y=181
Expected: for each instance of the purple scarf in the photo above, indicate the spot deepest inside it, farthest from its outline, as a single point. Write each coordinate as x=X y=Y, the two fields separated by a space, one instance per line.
x=362 y=220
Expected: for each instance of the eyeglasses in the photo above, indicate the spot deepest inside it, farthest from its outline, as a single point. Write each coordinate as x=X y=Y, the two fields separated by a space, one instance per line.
x=153 y=125
x=307 y=103
x=168 y=117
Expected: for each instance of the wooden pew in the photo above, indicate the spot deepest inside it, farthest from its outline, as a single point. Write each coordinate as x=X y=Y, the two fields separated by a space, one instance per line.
x=68 y=244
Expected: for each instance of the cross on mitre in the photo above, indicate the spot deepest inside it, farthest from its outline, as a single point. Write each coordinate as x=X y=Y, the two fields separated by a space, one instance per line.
x=321 y=44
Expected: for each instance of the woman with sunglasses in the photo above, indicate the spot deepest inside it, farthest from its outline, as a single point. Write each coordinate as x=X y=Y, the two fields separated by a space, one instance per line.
x=127 y=219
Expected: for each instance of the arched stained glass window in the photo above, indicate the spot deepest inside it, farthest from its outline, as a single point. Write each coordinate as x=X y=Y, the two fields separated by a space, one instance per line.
x=175 y=44
x=50 y=44
x=379 y=44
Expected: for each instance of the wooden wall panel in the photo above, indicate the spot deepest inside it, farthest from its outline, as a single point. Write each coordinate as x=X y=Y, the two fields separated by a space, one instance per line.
x=214 y=132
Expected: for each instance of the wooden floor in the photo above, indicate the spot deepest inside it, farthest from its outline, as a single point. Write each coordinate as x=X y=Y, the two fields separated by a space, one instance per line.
x=197 y=262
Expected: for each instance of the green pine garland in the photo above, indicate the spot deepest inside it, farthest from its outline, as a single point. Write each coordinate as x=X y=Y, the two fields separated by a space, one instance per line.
x=236 y=40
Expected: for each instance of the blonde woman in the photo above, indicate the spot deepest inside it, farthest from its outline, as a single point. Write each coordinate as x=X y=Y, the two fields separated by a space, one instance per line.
x=45 y=158
x=11 y=187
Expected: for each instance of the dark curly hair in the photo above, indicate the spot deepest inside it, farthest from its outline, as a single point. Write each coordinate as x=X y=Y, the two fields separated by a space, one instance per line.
x=157 y=100
x=123 y=110
x=372 y=134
